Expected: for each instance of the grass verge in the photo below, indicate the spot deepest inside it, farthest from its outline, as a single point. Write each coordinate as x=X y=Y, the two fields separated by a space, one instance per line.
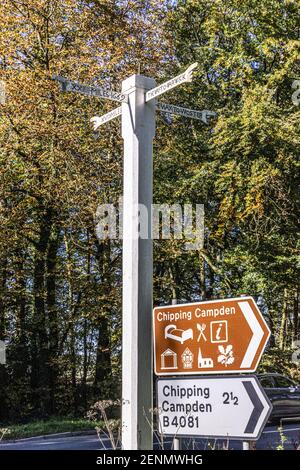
x=52 y=426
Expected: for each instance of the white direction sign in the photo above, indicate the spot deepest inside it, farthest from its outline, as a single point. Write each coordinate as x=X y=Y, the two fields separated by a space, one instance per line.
x=203 y=115
x=221 y=407
x=98 y=121
x=69 y=85
x=184 y=77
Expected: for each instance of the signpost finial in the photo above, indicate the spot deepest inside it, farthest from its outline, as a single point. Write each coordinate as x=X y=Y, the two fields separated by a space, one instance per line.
x=189 y=71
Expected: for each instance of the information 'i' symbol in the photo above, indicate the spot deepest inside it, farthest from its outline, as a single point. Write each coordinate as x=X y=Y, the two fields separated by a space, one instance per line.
x=219 y=331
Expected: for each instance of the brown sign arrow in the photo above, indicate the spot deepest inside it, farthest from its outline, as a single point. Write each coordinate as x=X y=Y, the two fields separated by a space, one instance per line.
x=218 y=336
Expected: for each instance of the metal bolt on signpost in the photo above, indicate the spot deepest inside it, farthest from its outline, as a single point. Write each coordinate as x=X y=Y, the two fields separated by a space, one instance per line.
x=138 y=98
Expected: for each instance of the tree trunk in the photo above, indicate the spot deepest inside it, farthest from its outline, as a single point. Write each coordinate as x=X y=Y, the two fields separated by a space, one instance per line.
x=103 y=360
x=202 y=278
x=296 y=314
x=85 y=334
x=283 y=319
x=272 y=315
x=40 y=375
x=3 y=273
x=52 y=314
x=72 y=329
x=3 y=375
x=21 y=350
x=173 y=286
x=103 y=356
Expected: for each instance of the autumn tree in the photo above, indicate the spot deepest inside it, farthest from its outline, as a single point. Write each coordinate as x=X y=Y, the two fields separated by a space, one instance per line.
x=245 y=166
x=60 y=285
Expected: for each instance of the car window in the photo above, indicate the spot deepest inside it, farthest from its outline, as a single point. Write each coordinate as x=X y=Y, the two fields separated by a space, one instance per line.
x=283 y=382
x=267 y=382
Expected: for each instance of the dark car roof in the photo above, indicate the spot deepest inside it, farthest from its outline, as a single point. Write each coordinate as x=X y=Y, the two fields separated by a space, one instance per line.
x=275 y=374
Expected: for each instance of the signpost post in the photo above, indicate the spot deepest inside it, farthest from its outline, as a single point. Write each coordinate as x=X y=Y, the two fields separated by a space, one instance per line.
x=138 y=129
x=138 y=98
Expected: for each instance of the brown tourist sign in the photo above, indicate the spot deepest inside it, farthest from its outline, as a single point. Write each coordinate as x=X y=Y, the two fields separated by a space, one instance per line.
x=219 y=336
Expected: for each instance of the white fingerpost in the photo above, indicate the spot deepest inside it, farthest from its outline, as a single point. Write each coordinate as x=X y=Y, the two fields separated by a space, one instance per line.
x=138 y=129
x=138 y=100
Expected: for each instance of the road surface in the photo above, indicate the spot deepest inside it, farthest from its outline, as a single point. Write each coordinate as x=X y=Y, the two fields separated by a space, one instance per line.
x=270 y=439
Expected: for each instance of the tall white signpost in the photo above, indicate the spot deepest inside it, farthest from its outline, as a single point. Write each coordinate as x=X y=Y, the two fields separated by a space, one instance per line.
x=138 y=98
x=138 y=129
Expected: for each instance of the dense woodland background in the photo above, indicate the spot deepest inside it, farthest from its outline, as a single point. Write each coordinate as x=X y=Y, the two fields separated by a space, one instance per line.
x=60 y=287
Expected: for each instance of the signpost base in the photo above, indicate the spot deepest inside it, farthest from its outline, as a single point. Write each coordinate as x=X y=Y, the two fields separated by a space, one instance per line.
x=176 y=443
